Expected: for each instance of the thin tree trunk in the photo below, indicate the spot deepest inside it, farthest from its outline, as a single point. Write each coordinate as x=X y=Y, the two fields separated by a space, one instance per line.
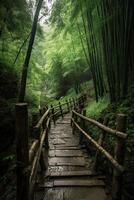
x=28 y=55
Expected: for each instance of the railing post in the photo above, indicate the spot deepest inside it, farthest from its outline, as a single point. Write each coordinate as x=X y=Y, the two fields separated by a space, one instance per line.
x=75 y=120
x=75 y=99
x=119 y=156
x=61 y=111
x=101 y=143
x=72 y=118
x=67 y=106
x=53 y=116
x=73 y=103
x=22 y=151
x=70 y=104
x=82 y=123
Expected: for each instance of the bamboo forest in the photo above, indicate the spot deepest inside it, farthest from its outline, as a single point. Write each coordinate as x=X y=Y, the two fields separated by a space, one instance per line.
x=67 y=100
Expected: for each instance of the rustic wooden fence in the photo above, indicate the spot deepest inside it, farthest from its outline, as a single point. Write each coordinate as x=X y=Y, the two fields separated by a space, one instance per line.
x=30 y=157
x=79 y=121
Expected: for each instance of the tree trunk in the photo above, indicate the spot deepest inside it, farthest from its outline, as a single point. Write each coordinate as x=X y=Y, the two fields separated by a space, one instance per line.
x=28 y=55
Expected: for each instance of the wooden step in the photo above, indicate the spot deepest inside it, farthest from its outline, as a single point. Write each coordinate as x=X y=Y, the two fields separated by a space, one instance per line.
x=65 y=153
x=60 y=161
x=71 y=173
x=64 y=147
x=63 y=122
x=73 y=183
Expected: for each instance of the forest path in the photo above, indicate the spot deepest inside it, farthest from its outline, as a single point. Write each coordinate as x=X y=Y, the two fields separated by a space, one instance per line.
x=69 y=175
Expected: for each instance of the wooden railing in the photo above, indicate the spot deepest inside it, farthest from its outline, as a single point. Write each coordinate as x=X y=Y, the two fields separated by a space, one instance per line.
x=79 y=121
x=66 y=107
x=29 y=158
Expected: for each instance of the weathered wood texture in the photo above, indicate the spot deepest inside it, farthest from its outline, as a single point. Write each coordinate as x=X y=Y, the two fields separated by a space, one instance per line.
x=69 y=163
x=101 y=149
x=103 y=127
x=119 y=156
x=118 y=160
x=22 y=151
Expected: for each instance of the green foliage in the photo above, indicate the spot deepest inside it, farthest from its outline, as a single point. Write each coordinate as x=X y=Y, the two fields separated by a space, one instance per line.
x=94 y=109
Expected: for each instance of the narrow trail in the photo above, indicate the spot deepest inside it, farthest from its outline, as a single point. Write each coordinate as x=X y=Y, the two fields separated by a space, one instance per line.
x=69 y=175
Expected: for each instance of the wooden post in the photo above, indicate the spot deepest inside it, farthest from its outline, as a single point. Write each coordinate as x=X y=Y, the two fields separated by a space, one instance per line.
x=73 y=103
x=22 y=151
x=49 y=126
x=61 y=111
x=46 y=139
x=71 y=119
x=73 y=126
x=75 y=99
x=53 y=116
x=82 y=126
x=101 y=143
x=70 y=104
x=119 y=156
x=67 y=106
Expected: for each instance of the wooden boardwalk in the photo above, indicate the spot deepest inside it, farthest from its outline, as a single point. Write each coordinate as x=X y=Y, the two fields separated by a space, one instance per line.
x=69 y=175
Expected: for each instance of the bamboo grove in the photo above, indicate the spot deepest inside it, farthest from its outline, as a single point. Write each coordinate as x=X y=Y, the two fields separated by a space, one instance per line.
x=105 y=29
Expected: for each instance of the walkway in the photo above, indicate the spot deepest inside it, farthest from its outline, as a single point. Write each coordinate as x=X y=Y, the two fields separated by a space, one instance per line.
x=69 y=176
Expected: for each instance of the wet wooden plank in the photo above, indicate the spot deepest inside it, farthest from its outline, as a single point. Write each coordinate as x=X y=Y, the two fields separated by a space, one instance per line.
x=67 y=161
x=65 y=153
x=54 y=195
x=64 y=122
x=75 y=193
x=66 y=143
x=52 y=169
x=58 y=141
x=74 y=183
x=65 y=136
x=71 y=173
x=64 y=147
x=83 y=183
x=47 y=184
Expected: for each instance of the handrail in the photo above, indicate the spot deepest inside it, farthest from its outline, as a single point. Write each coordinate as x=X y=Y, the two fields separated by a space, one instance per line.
x=30 y=157
x=103 y=127
x=42 y=119
x=69 y=101
x=118 y=159
x=33 y=149
x=101 y=149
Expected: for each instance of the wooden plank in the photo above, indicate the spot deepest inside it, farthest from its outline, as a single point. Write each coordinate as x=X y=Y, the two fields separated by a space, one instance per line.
x=58 y=141
x=64 y=147
x=71 y=173
x=66 y=144
x=64 y=168
x=64 y=122
x=82 y=183
x=60 y=136
x=53 y=194
x=47 y=184
x=75 y=193
x=66 y=161
x=73 y=183
x=65 y=153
